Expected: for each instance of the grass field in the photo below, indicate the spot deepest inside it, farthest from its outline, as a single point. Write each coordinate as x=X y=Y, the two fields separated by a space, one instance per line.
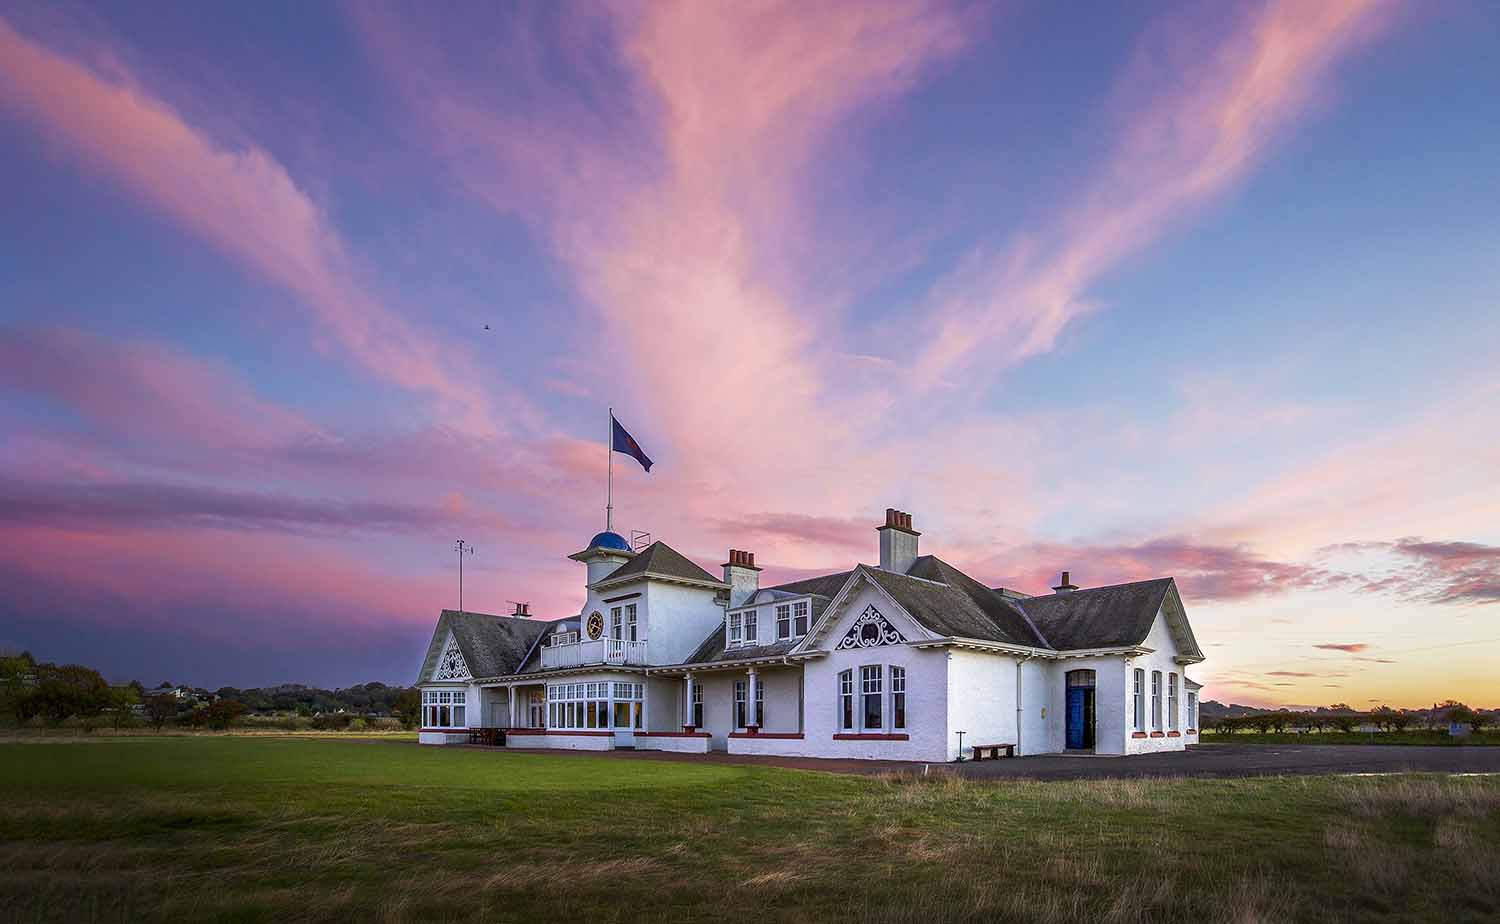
x=252 y=828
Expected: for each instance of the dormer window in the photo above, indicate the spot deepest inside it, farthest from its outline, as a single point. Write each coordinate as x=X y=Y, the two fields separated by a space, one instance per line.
x=736 y=629
x=799 y=619
x=750 y=627
x=783 y=622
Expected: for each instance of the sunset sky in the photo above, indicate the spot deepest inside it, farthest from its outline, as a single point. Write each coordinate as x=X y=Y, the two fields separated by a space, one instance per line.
x=1201 y=290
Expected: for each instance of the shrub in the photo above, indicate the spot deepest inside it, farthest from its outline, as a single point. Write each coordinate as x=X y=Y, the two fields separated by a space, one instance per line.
x=332 y=721
x=161 y=708
x=222 y=713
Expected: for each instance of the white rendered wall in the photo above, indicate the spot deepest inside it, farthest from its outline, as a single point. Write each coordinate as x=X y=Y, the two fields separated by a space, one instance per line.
x=981 y=699
x=676 y=620
x=926 y=692
x=592 y=742
x=1161 y=659
x=1043 y=704
x=1112 y=707
x=694 y=744
x=781 y=685
x=664 y=704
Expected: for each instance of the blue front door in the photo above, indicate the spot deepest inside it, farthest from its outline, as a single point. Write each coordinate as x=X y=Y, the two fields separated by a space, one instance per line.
x=1076 y=717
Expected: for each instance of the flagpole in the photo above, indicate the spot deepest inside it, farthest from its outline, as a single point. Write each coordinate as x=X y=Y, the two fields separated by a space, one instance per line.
x=609 y=503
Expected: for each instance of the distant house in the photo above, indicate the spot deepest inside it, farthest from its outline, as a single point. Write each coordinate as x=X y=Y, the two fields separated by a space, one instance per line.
x=890 y=661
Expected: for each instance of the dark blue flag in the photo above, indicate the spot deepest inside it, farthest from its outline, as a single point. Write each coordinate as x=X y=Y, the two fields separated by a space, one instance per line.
x=620 y=441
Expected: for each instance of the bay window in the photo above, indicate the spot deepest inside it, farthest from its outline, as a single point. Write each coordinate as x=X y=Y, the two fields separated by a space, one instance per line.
x=898 y=698
x=628 y=704
x=444 y=708
x=870 y=697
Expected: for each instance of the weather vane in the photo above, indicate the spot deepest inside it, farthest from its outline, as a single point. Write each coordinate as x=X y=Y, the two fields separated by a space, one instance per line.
x=462 y=548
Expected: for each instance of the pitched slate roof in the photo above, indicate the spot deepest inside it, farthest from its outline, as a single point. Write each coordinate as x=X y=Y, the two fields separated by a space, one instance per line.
x=491 y=645
x=950 y=603
x=660 y=558
x=1115 y=616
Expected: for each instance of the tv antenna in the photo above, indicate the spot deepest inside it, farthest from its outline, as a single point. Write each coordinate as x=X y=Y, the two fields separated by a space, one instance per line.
x=462 y=548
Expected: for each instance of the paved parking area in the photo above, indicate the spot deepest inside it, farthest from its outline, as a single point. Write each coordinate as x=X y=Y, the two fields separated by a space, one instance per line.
x=1233 y=760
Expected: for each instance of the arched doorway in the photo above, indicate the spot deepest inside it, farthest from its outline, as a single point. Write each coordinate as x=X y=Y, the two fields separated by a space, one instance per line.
x=1080 y=712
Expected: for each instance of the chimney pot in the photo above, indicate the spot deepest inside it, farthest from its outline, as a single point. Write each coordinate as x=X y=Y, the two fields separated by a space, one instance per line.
x=1067 y=586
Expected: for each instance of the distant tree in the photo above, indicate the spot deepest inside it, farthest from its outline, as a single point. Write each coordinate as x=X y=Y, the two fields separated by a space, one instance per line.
x=1457 y=713
x=17 y=679
x=1263 y=722
x=121 y=698
x=198 y=717
x=1279 y=720
x=161 y=708
x=223 y=712
x=407 y=707
x=1345 y=722
x=1479 y=719
x=1401 y=720
x=1383 y=717
x=68 y=691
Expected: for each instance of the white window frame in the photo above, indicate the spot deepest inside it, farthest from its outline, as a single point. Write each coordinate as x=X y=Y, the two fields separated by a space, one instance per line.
x=583 y=706
x=735 y=630
x=866 y=694
x=1192 y=710
x=1156 y=700
x=783 y=621
x=799 y=619
x=760 y=702
x=696 y=706
x=741 y=709
x=445 y=708
x=1139 y=711
x=752 y=635
x=846 y=714
x=1172 y=702
x=630 y=622
x=898 y=697
x=632 y=697
x=616 y=623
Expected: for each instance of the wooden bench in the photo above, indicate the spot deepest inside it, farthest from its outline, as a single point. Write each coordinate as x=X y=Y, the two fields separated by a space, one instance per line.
x=994 y=751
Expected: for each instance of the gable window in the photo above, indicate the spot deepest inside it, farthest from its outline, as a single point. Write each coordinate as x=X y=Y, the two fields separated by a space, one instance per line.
x=799 y=619
x=898 y=697
x=443 y=708
x=1172 y=701
x=616 y=629
x=783 y=621
x=870 y=697
x=739 y=704
x=846 y=700
x=1140 y=700
x=630 y=621
x=697 y=717
x=1156 y=700
x=1192 y=711
x=750 y=627
x=736 y=629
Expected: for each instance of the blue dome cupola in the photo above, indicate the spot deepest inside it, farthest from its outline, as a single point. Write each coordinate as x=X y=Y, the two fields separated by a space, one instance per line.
x=609 y=540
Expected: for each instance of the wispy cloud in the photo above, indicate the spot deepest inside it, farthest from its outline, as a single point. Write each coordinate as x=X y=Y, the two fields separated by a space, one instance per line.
x=241 y=201
x=1193 y=133
x=1349 y=647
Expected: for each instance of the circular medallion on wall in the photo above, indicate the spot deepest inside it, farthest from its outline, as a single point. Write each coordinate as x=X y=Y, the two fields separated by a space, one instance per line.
x=596 y=624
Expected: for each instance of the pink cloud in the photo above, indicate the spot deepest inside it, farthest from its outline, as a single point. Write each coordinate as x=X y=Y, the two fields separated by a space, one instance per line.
x=241 y=202
x=1348 y=647
x=1191 y=134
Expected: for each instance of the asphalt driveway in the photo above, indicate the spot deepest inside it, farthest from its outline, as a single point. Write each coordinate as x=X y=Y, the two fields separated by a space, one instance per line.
x=1221 y=760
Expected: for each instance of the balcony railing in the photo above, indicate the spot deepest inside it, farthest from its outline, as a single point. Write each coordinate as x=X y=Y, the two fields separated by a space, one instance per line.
x=598 y=651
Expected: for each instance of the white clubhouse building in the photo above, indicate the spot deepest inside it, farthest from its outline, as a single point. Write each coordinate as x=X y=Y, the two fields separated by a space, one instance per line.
x=898 y=661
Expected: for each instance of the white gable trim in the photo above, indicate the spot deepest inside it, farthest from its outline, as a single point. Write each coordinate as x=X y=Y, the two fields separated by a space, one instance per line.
x=835 y=610
x=451 y=666
x=1175 y=614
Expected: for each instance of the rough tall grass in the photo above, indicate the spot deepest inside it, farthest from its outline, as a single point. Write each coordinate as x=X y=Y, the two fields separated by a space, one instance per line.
x=310 y=830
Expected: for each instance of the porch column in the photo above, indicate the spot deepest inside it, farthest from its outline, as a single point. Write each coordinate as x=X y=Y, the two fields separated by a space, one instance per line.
x=687 y=712
x=751 y=725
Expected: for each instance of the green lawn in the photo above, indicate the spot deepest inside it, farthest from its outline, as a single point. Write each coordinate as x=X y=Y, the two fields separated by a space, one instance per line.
x=305 y=829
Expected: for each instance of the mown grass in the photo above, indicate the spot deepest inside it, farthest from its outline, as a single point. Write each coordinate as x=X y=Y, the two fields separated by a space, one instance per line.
x=1424 y=737
x=258 y=829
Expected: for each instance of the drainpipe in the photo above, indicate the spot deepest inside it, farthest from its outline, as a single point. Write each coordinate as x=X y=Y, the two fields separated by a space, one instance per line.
x=1019 y=707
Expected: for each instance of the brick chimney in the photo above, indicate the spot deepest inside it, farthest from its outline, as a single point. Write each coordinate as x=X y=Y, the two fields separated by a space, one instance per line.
x=742 y=576
x=1067 y=586
x=898 y=541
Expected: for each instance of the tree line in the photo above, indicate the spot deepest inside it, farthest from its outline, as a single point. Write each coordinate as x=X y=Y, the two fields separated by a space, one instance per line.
x=1342 y=718
x=34 y=692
